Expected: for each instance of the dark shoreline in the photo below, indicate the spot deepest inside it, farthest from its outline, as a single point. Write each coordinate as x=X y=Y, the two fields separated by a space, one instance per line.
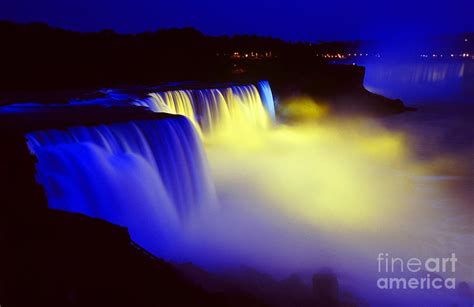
x=50 y=65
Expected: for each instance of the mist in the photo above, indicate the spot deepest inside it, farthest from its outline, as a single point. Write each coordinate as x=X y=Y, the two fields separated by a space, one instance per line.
x=327 y=194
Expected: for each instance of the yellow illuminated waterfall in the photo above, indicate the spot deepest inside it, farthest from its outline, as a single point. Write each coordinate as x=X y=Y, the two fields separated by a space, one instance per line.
x=234 y=108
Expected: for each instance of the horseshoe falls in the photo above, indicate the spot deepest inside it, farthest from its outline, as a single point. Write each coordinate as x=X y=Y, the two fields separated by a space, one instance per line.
x=219 y=109
x=150 y=176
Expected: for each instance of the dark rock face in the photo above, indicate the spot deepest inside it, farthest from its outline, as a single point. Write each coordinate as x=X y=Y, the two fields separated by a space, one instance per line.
x=326 y=289
x=291 y=291
x=64 y=259
x=252 y=285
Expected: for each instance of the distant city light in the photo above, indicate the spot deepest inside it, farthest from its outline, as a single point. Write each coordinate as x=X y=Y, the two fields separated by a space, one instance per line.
x=465 y=39
x=254 y=55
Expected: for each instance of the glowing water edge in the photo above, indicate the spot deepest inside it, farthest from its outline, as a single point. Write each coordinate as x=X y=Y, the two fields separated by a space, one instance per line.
x=296 y=198
x=220 y=109
x=146 y=175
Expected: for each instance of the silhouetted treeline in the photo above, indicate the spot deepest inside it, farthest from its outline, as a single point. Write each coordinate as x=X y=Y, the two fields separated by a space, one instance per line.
x=37 y=56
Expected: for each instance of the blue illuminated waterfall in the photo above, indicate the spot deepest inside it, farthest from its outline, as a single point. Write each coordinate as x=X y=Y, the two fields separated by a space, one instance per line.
x=217 y=109
x=148 y=175
x=141 y=174
x=266 y=96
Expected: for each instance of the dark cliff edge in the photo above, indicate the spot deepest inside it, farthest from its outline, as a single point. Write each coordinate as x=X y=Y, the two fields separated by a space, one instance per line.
x=44 y=64
x=339 y=87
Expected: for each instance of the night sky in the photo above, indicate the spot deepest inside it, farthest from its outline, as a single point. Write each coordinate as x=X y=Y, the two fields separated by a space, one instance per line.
x=291 y=20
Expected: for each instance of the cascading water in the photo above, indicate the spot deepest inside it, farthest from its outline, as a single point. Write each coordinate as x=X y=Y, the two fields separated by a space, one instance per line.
x=146 y=175
x=307 y=196
x=267 y=97
x=219 y=109
x=149 y=176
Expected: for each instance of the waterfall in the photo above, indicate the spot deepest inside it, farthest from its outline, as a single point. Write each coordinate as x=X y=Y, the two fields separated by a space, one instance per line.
x=212 y=110
x=149 y=174
x=267 y=97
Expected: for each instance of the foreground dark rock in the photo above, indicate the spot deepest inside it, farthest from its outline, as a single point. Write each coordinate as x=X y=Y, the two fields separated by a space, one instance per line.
x=63 y=259
x=291 y=291
x=326 y=289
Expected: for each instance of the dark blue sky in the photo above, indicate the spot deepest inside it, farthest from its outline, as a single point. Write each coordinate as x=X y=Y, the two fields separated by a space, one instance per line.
x=291 y=20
